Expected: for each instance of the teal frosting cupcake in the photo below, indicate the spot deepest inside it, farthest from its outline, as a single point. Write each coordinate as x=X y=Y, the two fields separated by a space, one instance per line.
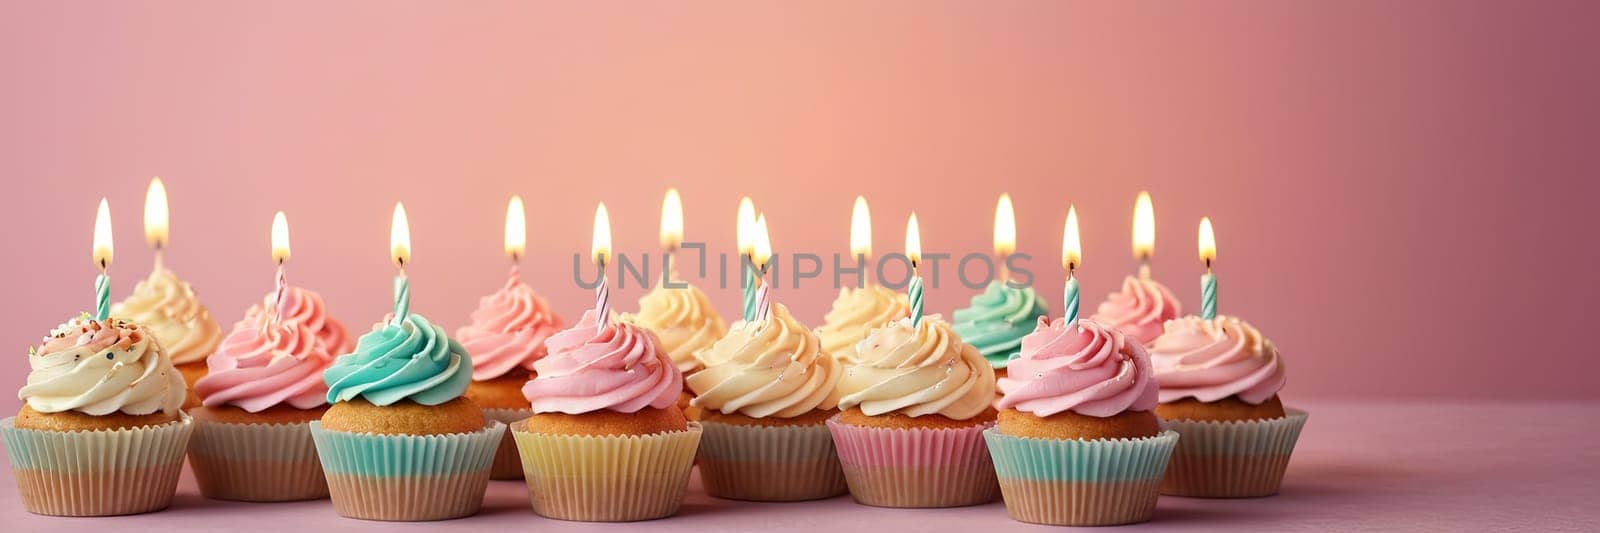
x=412 y=360
x=998 y=319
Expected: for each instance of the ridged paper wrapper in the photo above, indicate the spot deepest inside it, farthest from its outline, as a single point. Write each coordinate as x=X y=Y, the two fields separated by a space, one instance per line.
x=256 y=462
x=407 y=478
x=507 y=463
x=1234 y=459
x=1099 y=482
x=769 y=463
x=894 y=467
x=97 y=473
x=612 y=478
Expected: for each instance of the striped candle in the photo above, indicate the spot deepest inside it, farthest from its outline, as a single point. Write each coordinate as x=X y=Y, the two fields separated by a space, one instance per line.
x=763 y=302
x=915 y=293
x=602 y=302
x=277 y=298
x=748 y=284
x=402 y=297
x=102 y=296
x=1071 y=297
x=1208 y=296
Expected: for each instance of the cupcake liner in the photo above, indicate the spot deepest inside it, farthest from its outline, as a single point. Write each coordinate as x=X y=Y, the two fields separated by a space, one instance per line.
x=607 y=479
x=507 y=464
x=1080 y=482
x=1234 y=459
x=892 y=467
x=256 y=462
x=97 y=473
x=769 y=464
x=407 y=477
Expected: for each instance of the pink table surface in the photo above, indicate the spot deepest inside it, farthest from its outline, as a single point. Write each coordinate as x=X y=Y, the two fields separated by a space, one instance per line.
x=1405 y=465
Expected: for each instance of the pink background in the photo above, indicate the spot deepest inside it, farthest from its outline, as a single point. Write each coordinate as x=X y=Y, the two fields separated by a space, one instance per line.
x=1401 y=190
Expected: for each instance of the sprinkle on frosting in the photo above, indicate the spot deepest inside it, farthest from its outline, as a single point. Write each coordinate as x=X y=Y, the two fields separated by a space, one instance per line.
x=916 y=370
x=261 y=366
x=167 y=306
x=413 y=360
x=1084 y=366
x=997 y=319
x=305 y=307
x=773 y=367
x=1139 y=309
x=508 y=330
x=684 y=320
x=98 y=368
x=620 y=367
x=855 y=313
x=1213 y=359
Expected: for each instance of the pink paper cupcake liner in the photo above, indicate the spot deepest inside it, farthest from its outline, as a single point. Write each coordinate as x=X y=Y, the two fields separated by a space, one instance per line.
x=97 y=473
x=769 y=464
x=256 y=462
x=892 y=467
x=407 y=478
x=1234 y=459
x=607 y=479
x=507 y=463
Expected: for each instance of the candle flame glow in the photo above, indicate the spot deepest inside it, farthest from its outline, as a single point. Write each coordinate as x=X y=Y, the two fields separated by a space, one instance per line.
x=761 y=251
x=600 y=246
x=913 y=241
x=860 y=229
x=399 y=236
x=1208 y=242
x=672 y=220
x=102 y=236
x=280 y=238
x=516 y=228
x=1005 y=227
x=156 y=231
x=1071 y=247
x=745 y=226
x=1144 y=227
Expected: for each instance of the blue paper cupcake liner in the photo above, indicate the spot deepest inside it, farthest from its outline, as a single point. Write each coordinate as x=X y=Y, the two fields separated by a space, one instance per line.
x=1080 y=482
x=407 y=477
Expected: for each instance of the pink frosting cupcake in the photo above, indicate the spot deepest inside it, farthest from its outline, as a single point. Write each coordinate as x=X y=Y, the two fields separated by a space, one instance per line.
x=506 y=337
x=1139 y=309
x=305 y=307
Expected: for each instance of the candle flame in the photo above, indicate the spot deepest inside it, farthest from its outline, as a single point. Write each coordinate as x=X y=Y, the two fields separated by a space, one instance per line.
x=155 y=214
x=1005 y=227
x=762 y=247
x=860 y=228
x=745 y=226
x=672 y=220
x=1071 y=247
x=1208 y=242
x=1144 y=227
x=102 y=236
x=516 y=228
x=600 y=246
x=280 y=238
x=400 y=236
x=913 y=241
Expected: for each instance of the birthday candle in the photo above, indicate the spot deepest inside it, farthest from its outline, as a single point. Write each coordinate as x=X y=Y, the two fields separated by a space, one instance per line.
x=280 y=255
x=745 y=228
x=1071 y=258
x=1208 y=281
x=400 y=251
x=600 y=252
x=914 y=252
x=102 y=260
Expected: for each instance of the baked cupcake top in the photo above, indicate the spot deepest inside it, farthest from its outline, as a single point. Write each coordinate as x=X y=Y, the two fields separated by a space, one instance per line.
x=1139 y=309
x=683 y=319
x=1213 y=359
x=855 y=312
x=412 y=360
x=1082 y=366
x=508 y=330
x=101 y=367
x=767 y=368
x=997 y=319
x=304 y=307
x=917 y=370
x=620 y=367
x=263 y=365
x=167 y=306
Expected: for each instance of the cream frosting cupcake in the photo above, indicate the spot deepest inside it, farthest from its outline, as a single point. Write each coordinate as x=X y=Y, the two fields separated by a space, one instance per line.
x=684 y=320
x=168 y=307
x=854 y=314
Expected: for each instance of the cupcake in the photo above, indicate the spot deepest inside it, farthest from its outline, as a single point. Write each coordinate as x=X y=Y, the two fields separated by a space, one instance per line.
x=855 y=312
x=167 y=306
x=506 y=336
x=304 y=307
x=251 y=440
x=913 y=406
x=607 y=442
x=766 y=393
x=1139 y=309
x=399 y=442
x=1219 y=389
x=1077 y=443
x=685 y=321
x=100 y=431
x=997 y=319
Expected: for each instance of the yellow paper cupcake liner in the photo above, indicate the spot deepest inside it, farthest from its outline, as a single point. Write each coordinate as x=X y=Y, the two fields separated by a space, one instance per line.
x=607 y=479
x=97 y=473
x=507 y=463
x=769 y=464
x=256 y=462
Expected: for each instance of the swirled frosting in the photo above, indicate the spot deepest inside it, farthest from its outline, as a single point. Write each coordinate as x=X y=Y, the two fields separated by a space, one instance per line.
x=1085 y=367
x=1213 y=359
x=774 y=367
x=855 y=312
x=684 y=320
x=1139 y=309
x=260 y=366
x=412 y=360
x=167 y=306
x=508 y=330
x=997 y=319
x=917 y=370
x=304 y=307
x=99 y=368
x=620 y=367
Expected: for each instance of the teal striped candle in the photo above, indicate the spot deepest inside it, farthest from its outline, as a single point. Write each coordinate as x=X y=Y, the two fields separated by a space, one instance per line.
x=1208 y=296
x=915 y=293
x=102 y=297
x=1071 y=298
x=402 y=298
x=747 y=282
